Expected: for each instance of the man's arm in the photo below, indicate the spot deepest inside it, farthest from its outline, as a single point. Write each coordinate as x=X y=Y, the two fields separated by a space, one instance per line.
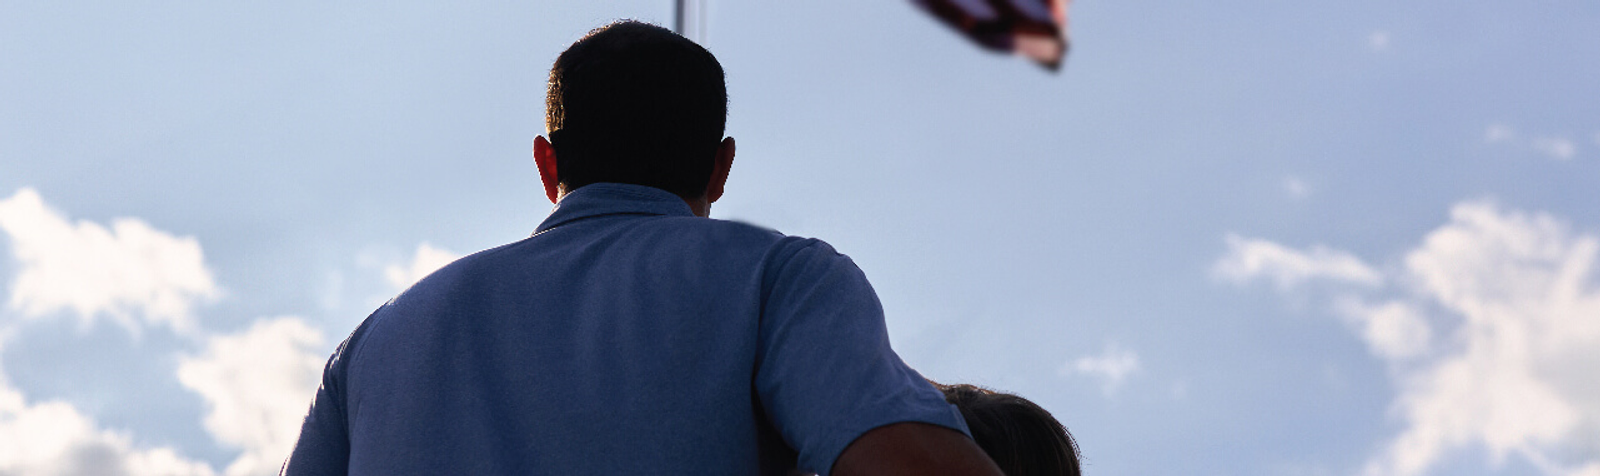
x=914 y=449
x=829 y=382
x=323 y=448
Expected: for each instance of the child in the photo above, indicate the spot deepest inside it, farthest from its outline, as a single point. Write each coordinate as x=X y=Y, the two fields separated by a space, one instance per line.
x=1022 y=438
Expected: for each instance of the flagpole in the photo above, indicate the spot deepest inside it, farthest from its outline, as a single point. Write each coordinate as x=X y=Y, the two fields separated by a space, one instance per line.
x=677 y=18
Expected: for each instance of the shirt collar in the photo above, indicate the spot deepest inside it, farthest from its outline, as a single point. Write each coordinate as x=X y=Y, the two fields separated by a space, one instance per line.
x=614 y=198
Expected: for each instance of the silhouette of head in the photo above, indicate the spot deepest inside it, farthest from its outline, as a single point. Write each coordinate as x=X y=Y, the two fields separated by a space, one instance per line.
x=1022 y=438
x=635 y=103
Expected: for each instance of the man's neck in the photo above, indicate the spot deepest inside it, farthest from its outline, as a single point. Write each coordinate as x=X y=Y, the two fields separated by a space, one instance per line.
x=699 y=205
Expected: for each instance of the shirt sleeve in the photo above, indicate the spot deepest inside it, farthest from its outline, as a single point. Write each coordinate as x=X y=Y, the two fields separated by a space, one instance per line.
x=323 y=448
x=825 y=373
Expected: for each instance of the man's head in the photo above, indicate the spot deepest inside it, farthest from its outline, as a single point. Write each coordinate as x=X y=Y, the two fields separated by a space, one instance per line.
x=635 y=103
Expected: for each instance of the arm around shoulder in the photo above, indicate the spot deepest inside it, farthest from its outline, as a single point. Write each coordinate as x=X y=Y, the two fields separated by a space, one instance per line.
x=914 y=449
x=832 y=386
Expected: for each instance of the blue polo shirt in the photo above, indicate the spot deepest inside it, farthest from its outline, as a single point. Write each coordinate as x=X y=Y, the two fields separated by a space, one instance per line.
x=626 y=336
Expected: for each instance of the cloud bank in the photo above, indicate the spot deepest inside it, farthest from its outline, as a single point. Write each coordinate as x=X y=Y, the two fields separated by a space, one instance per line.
x=257 y=385
x=54 y=439
x=1493 y=338
x=129 y=272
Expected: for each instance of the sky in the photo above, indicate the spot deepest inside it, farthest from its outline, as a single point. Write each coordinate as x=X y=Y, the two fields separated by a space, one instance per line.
x=1229 y=237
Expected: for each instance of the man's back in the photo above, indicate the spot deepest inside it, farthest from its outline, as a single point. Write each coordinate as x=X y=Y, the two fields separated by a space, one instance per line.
x=626 y=336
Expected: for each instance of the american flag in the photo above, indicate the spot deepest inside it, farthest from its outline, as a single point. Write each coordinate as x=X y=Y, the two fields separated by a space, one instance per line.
x=1036 y=29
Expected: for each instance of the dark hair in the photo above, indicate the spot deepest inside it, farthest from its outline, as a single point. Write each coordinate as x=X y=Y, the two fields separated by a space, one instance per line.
x=632 y=102
x=1022 y=438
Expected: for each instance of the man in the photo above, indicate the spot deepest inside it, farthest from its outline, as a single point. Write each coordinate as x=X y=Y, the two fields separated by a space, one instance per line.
x=630 y=334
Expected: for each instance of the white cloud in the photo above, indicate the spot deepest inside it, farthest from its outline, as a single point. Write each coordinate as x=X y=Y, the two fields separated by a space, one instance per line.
x=127 y=272
x=1296 y=188
x=1378 y=40
x=1113 y=367
x=1497 y=133
x=257 y=385
x=1523 y=292
x=1509 y=360
x=1553 y=146
x=427 y=260
x=1559 y=148
x=1394 y=330
x=53 y=438
x=1249 y=258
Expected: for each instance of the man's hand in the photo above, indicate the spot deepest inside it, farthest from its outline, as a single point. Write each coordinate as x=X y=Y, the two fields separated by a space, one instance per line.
x=914 y=449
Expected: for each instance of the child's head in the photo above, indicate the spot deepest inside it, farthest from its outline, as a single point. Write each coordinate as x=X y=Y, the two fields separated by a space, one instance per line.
x=1022 y=438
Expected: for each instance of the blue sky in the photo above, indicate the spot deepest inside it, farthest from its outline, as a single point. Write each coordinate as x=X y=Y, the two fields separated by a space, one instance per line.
x=1229 y=237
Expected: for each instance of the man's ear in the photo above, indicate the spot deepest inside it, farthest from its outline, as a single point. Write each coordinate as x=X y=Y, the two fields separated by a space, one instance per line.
x=544 y=156
x=719 y=171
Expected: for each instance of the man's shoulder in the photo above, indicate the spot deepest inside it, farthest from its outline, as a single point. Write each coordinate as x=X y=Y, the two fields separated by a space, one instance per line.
x=729 y=247
x=779 y=248
x=732 y=228
x=733 y=235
